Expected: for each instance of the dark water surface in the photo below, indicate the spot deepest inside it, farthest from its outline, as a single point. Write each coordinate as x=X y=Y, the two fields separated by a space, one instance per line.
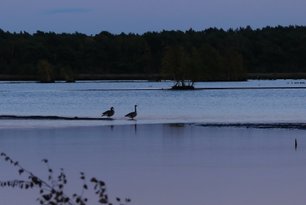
x=167 y=164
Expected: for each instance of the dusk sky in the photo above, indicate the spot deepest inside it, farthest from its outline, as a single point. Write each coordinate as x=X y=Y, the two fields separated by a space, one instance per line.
x=139 y=16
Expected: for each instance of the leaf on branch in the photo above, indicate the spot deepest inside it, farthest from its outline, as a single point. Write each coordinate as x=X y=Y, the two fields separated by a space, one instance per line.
x=35 y=180
x=66 y=200
x=103 y=201
x=103 y=195
x=102 y=183
x=20 y=171
x=46 y=197
x=94 y=180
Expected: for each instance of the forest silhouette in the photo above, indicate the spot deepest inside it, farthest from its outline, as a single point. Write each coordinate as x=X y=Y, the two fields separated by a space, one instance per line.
x=209 y=55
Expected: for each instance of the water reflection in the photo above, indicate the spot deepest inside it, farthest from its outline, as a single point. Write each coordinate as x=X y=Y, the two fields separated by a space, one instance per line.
x=146 y=161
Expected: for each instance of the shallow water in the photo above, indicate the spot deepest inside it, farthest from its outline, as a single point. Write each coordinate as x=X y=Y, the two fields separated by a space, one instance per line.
x=166 y=164
x=161 y=164
x=155 y=103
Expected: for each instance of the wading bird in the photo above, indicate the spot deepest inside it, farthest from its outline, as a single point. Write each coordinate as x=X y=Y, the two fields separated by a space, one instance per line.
x=109 y=112
x=132 y=115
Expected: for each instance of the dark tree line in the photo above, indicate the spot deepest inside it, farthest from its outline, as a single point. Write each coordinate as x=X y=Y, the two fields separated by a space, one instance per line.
x=211 y=54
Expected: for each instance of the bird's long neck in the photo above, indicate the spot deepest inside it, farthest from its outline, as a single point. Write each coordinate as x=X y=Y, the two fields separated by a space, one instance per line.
x=135 y=109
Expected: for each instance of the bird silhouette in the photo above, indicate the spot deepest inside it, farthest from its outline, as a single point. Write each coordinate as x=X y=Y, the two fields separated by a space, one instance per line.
x=132 y=115
x=108 y=113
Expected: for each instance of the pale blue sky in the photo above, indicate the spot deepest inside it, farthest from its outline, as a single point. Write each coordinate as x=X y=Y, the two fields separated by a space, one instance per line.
x=139 y=16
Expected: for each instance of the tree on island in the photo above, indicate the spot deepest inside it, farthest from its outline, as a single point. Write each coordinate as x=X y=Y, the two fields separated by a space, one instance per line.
x=186 y=65
x=45 y=72
x=178 y=65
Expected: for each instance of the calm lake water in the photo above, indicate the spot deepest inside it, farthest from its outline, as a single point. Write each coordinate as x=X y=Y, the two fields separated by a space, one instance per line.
x=155 y=103
x=165 y=157
x=166 y=164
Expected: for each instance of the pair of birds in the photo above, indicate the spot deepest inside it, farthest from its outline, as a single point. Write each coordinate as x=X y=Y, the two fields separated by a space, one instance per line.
x=111 y=112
